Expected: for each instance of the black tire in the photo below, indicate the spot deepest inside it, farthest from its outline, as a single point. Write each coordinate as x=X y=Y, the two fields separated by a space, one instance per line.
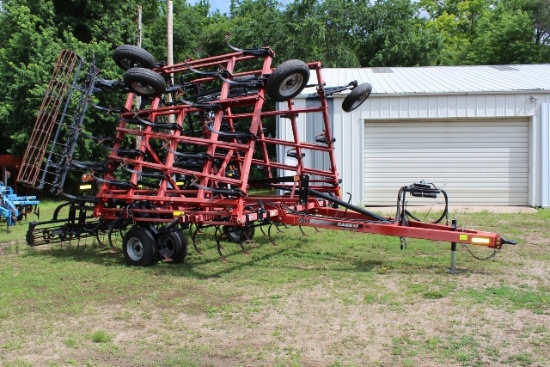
x=128 y=57
x=239 y=234
x=144 y=82
x=139 y=247
x=287 y=81
x=172 y=246
x=356 y=97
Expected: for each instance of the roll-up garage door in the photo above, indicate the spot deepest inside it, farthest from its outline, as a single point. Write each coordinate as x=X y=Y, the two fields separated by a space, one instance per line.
x=476 y=162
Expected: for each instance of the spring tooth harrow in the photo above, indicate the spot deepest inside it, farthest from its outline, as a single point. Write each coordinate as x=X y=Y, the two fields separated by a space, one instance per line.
x=191 y=151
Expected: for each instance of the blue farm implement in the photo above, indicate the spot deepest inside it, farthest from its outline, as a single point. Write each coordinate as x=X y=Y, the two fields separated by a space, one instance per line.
x=13 y=207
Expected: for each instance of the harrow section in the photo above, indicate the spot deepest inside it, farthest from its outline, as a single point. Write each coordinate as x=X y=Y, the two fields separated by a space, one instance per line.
x=193 y=149
x=52 y=135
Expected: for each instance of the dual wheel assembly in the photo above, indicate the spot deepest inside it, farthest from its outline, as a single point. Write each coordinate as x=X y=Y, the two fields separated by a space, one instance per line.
x=143 y=247
x=283 y=84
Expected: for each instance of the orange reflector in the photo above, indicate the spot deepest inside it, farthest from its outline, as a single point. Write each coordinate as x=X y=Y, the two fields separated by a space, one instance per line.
x=86 y=177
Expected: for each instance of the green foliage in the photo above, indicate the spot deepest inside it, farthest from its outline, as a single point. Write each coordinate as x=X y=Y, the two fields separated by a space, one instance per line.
x=327 y=31
x=456 y=22
x=506 y=35
x=490 y=32
x=28 y=43
x=396 y=36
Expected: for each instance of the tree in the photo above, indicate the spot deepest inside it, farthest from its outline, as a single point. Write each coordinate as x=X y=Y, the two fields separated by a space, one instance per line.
x=511 y=32
x=457 y=22
x=29 y=46
x=395 y=35
x=32 y=33
x=491 y=32
x=188 y=25
x=541 y=19
x=324 y=30
x=257 y=23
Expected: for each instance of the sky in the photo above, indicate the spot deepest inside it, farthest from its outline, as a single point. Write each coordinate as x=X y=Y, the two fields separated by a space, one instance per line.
x=221 y=5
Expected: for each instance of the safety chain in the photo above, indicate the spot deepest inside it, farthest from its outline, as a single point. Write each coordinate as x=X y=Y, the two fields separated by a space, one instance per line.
x=478 y=257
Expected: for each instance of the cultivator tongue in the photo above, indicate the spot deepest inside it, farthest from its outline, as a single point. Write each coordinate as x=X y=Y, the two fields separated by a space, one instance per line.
x=198 y=153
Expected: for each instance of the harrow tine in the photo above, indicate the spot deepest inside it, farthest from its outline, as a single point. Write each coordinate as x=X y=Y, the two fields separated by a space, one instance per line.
x=110 y=236
x=262 y=229
x=248 y=237
x=277 y=225
x=194 y=238
x=99 y=241
x=245 y=251
x=118 y=225
x=269 y=234
x=317 y=230
x=218 y=236
x=248 y=240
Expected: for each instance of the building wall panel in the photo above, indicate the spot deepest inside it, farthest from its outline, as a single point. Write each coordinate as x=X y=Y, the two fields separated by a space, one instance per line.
x=475 y=161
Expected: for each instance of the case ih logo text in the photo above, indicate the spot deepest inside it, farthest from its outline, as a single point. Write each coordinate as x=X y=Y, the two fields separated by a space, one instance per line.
x=347 y=225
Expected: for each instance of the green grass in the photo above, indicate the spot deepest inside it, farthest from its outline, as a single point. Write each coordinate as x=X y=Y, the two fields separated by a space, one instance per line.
x=101 y=336
x=536 y=299
x=309 y=301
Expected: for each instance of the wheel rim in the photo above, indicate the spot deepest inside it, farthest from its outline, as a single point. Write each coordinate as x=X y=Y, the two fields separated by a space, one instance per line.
x=236 y=236
x=239 y=235
x=291 y=85
x=143 y=88
x=128 y=63
x=166 y=246
x=359 y=101
x=135 y=249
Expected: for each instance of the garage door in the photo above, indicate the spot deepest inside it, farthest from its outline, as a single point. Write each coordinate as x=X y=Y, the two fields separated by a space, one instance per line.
x=475 y=162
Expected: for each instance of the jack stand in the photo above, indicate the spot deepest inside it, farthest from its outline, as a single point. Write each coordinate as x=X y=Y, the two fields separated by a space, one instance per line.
x=452 y=270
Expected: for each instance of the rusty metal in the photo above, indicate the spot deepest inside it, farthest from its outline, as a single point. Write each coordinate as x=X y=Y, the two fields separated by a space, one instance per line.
x=48 y=126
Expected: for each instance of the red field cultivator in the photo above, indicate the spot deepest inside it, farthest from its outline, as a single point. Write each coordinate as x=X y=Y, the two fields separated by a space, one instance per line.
x=192 y=150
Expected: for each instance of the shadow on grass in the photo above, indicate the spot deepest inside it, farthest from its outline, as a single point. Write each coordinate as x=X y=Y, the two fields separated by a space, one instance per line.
x=292 y=254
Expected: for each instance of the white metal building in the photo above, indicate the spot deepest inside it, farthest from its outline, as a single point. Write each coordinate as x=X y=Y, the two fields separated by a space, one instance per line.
x=479 y=132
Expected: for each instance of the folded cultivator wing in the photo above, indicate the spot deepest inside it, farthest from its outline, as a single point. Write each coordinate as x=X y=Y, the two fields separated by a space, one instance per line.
x=192 y=149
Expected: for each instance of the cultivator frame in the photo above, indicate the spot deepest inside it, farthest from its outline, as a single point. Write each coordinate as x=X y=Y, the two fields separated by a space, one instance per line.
x=195 y=153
